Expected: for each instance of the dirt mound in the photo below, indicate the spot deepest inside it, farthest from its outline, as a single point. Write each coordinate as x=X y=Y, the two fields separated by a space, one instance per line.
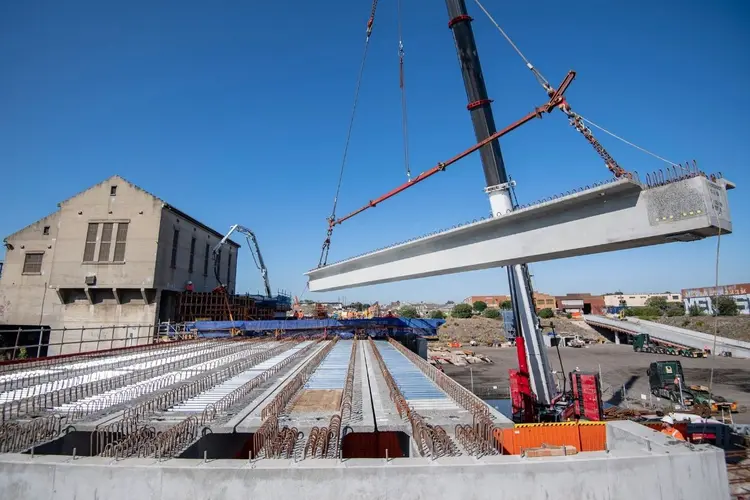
x=483 y=330
x=733 y=327
x=486 y=331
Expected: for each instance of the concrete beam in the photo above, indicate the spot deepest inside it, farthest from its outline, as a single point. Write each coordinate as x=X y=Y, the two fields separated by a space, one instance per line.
x=613 y=216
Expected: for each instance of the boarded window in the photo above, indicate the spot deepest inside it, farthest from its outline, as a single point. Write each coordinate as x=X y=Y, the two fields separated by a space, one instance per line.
x=122 y=236
x=106 y=243
x=192 y=255
x=217 y=265
x=205 y=260
x=90 y=248
x=229 y=269
x=32 y=263
x=175 y=242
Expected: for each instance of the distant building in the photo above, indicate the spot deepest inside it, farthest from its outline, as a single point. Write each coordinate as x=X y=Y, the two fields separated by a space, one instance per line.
x=490 y=300
x=638 y=299
x=112 y=255
x=544 y=301
x=701 y=297
x=580 y=303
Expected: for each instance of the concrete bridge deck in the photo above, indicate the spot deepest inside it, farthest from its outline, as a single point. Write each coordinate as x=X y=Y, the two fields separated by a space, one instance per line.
x=667 y=333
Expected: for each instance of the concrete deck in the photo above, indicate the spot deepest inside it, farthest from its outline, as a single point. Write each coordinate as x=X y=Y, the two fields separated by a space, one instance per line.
x=226 y=386
x=614 y=216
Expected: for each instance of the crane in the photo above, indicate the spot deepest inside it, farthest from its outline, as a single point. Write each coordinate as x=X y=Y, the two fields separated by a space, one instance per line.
x=252 y=242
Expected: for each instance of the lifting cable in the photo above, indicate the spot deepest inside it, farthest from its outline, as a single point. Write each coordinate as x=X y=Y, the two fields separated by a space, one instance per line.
x=402 y=86
x=576 y=120
x=327 y=243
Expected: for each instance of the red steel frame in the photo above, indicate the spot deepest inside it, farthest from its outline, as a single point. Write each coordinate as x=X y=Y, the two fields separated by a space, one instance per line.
x=556 y=100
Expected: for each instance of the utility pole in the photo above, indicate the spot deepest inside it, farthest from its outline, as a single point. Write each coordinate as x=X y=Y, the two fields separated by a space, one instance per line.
x=498 y=189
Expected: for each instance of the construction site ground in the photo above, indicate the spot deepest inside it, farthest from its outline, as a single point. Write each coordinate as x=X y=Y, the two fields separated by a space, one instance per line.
x=485 y=330
x=620 y=366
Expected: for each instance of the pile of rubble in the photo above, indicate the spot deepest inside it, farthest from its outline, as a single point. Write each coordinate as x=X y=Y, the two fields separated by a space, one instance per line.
x=445 y=356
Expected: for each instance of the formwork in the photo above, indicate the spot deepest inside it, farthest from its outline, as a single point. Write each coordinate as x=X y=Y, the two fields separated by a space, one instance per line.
x=216 y=306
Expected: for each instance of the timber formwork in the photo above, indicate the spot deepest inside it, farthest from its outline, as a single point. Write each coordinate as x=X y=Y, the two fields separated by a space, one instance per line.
x=216 y=306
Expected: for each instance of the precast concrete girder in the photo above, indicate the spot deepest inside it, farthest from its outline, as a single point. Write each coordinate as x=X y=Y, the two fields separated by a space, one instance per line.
x=614 y=216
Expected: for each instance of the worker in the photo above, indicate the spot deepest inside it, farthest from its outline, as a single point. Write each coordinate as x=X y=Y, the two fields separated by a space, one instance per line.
x=667 y=427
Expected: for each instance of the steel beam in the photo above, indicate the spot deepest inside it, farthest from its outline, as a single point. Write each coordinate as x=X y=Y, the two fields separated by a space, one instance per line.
x=614 y=216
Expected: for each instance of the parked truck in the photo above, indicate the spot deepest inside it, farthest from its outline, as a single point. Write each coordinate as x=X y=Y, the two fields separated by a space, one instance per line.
x=644 y=343
x=667 y=381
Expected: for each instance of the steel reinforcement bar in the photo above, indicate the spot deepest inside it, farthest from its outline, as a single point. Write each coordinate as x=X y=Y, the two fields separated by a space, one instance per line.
x=25 y=378
x=44 y=401
x=277 y=405
x=191 y=388
x=431 y=440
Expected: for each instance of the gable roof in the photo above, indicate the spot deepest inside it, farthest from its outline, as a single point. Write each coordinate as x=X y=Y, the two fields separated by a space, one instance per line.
x=120 y=179
x=16 y=233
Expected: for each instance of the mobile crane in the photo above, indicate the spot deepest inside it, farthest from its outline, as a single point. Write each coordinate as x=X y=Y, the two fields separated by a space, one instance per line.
x=252 y=242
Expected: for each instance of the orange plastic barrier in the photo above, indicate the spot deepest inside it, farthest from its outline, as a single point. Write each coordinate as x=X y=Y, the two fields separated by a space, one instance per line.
x=584 y=436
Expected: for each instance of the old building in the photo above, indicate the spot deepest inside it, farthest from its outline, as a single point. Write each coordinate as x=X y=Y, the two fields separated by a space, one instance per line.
x=580 y=303
x=112 y=255
x=544 y=301
x=702 y=298
x=638 y=299
x=490 y=300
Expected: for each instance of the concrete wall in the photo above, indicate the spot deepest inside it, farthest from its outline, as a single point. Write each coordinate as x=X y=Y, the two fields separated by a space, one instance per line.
x=640 y=464
x=138 y=208
x=22 y=295
x=175 y=279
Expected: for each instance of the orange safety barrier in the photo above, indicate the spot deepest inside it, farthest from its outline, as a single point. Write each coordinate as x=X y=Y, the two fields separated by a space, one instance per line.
x=584 y=436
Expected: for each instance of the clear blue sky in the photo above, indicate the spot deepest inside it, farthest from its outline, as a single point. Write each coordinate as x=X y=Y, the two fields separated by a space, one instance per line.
x=236 y=112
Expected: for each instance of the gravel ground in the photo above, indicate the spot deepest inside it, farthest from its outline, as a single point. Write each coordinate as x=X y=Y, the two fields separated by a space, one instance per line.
x=619 y=365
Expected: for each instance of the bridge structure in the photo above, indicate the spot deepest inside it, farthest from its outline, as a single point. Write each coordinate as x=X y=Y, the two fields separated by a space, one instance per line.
x=672 y=334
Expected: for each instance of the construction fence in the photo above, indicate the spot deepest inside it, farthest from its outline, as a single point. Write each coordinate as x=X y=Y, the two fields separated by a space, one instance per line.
x=19 y=342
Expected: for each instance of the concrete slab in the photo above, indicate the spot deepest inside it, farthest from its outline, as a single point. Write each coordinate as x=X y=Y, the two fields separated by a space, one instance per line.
x=613 y=216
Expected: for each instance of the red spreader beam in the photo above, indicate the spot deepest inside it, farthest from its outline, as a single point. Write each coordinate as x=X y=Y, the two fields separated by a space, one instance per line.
x=556 y=100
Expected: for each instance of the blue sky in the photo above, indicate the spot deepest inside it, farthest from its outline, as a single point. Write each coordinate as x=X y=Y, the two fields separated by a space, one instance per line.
x=236 y=112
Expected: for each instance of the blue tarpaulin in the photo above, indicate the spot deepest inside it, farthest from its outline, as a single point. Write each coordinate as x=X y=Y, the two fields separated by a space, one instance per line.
x=424 y=327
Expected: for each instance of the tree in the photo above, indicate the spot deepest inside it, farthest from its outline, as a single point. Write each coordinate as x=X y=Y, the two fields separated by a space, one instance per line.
x=491 y=313
x=408 y=312
x=450 y=302
x=675 y=310
x=461 y=311
x=366 y=306
x=695 y=310
x=437 y=314
x=506 y=305
x=725 y=306
x=479 y=306
x=658 y=302
x=546 y=313
x=357 y=306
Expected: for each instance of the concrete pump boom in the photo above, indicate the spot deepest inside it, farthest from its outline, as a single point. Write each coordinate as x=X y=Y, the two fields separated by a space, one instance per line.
x=253 y=242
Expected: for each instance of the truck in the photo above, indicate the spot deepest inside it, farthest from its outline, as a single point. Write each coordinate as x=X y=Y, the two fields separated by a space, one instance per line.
x=667 y=380
x=644 y=343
